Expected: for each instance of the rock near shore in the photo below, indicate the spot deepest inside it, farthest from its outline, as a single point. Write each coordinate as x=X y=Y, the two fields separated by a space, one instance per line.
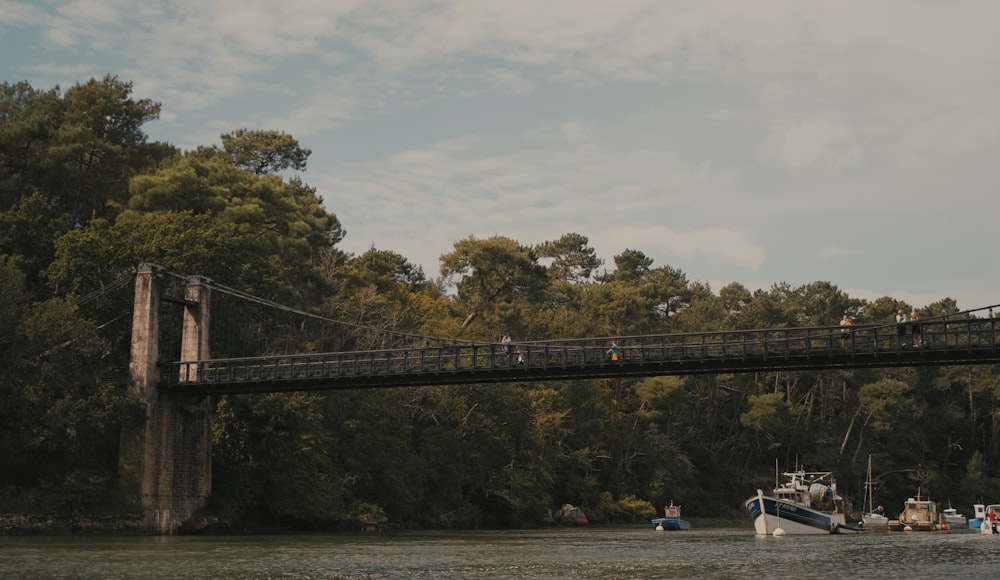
x=568 y=515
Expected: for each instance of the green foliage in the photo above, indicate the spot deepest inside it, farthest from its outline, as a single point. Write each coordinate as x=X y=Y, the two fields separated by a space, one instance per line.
x=263 y=152
x=626 y=509
x=272 y=456
x=572 y=259
x=469 y=456
x=496 y=280
x=60 y=422
x=768 y=417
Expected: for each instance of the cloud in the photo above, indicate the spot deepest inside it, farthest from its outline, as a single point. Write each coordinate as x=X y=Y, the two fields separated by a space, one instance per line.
x=738 y=137
x=836 y=251
x=729 y=246
x=809 y=141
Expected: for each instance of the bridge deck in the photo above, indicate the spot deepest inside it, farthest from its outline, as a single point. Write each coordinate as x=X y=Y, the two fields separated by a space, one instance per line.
x=939 y=342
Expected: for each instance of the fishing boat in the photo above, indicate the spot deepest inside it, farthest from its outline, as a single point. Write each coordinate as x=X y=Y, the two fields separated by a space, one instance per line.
x=671 y=519
x=874 y=518
x=805 y=503
x=919 y=515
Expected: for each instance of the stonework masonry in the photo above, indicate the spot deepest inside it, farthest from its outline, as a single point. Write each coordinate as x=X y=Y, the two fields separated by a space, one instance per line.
x=167 y=461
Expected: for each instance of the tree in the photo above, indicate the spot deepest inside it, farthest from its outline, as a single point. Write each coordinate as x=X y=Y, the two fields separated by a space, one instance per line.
x=630 y=265
x=769 y=417
x=283 y=222
x=381 y=289
x=572 y=259
x=29 y=119
x=59 y=420
x=28 y=231
x=273 y=457
x=496 y=280
x=735 y=297
x=264 y=152
x=637 y=298
x=98 y=147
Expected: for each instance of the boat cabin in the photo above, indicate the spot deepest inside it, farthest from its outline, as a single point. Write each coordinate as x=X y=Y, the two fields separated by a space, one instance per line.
x=814 y=490
x=918 y=515
x=672 y=511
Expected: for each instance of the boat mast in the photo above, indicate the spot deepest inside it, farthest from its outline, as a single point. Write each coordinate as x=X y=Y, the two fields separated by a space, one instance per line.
x=869 y=485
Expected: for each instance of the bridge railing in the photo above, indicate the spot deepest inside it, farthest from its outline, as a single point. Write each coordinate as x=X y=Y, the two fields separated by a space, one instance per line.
x=779 y=344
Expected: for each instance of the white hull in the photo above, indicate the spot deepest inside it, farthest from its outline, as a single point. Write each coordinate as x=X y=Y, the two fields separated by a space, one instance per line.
x=873 y=521
x=806 y=504
x=788 y=526
x=953 y=519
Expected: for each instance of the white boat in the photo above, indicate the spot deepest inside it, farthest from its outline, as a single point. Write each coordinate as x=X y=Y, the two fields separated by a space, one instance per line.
x=951 y=518
x=806 y=503
x=874 y=518
x=990 y=524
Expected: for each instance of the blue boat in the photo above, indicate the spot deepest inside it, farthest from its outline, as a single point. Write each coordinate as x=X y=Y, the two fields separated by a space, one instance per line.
x=671 y=519
x=976 y=521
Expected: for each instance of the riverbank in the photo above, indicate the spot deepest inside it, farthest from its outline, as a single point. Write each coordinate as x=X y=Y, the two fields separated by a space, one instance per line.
x=54 y=525
x=12 y=524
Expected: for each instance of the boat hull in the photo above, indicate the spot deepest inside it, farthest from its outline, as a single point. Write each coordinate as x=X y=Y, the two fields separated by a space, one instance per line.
x=953 y=519
x=898 y=526
x=671 y=524
x=875 y=522
x=919 y=515
x=792 y=519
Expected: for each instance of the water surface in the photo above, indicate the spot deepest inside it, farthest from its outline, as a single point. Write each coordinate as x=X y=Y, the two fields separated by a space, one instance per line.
x=593 y=552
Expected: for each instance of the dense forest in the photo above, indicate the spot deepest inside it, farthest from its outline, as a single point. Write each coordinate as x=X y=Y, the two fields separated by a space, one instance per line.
x=85 y=197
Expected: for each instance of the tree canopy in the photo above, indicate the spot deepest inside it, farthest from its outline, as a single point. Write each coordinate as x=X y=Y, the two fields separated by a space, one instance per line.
x=85 y=198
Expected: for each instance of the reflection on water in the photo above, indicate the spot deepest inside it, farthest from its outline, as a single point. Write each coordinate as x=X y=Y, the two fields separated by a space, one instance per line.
x=594 y=552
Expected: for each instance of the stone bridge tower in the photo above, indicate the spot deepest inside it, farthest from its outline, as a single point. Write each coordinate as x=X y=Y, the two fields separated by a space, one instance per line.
x=166 y=461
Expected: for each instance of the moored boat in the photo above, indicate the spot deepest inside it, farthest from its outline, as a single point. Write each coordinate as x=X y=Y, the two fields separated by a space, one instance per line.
x=671 y=519
x=978 y=515
x=951 y=518
x=874 y=518
x=991 y=514
x=806 y=503
x=919 y=515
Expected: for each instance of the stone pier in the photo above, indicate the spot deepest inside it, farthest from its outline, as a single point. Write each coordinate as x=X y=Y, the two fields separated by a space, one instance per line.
x=166 y=462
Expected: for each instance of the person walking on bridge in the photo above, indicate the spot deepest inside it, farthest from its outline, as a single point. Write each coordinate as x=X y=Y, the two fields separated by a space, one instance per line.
x=901 y=327
x=615 y=351
x=915 y=328
x=506 y=349
x=845 y=330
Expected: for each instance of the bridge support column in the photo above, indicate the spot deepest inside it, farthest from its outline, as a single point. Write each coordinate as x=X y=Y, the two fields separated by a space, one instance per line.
x=168 y=457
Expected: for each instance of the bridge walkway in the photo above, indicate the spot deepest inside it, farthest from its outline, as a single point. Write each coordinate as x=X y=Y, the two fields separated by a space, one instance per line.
x=946 y=341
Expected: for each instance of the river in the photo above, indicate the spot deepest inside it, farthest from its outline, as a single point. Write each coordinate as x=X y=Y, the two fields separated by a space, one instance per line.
x=634 y=551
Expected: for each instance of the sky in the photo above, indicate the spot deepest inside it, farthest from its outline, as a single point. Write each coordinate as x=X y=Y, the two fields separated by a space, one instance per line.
x=766 y=142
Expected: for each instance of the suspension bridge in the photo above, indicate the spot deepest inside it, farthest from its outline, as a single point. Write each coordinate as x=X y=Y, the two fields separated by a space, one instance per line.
x=407 y=360
x=935 y=342
x=171 y=453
